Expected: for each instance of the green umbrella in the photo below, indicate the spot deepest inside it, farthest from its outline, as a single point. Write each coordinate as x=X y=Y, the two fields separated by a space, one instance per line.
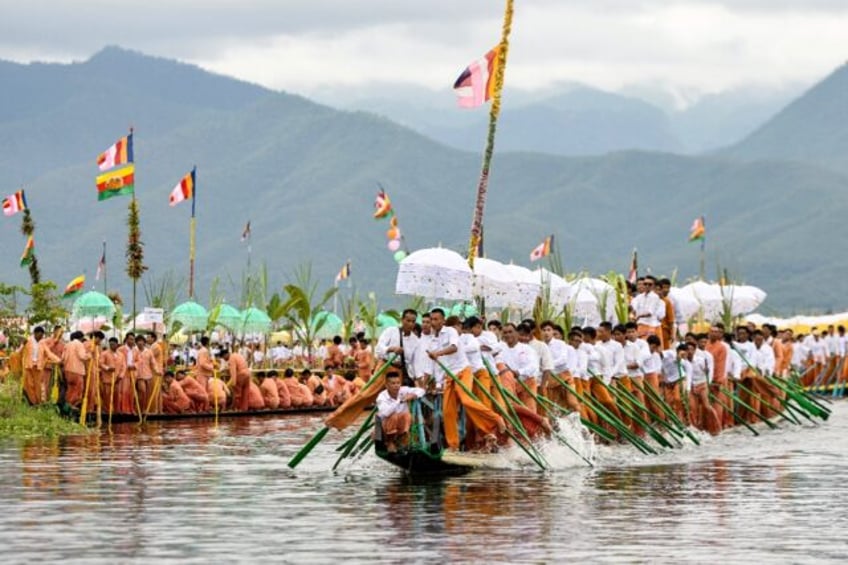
x=385 y=321
x=463 y=310
x=333 y=325
x=92 y=304
x=228 y=317
x=254 y=320
x=191 y=315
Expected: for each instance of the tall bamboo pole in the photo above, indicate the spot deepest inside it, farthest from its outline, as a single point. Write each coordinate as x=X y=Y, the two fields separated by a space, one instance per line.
x=494 y=111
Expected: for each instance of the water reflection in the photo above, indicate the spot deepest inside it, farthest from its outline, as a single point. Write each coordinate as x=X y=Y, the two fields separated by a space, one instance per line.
x=196 y=492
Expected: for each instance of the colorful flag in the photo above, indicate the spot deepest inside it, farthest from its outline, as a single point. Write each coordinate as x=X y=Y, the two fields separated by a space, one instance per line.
x=101 y=266
x=74 y=286
x=698 y=231
x=14 y=203
x=344 y=274
x=382 y=205
x=29 y=252
x=120 y=153
x=543 y=249
x=184 y=189
x=634 y=269
x=116 y=182
x=246 y=233
x=476 y=85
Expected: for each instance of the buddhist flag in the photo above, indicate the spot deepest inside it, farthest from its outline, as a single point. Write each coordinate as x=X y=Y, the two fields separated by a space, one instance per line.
x=344 y=274
x=382 y=205
x=698 y=231
x=476 y=85
x=543 y=249
x=245 y=235
x=184 y=189
x=101 y=265
x=29 y=252
x=74 y=287
x=14 y=203
x=120 y=153
x=116 y=182
x=634 y=269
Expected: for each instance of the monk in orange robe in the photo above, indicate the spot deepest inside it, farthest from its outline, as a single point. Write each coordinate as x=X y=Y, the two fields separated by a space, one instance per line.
x=197 y=393
x=270 y=392
x=146 y=375
x=255 y=401
x=204 y=369
x=239 y=381
x=300 y=395
x=174 y=398
x=218 y=394
x=335 y=356
x=74 y=358
x=316 y=387
x=34 y=357
x=111 y=368
x=56 y=344
x=283 y=393
x=126 y=393
x=718 y=349
x=364 y=360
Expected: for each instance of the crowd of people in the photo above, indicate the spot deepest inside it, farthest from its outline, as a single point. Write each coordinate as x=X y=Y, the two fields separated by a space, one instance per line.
x=633 y=371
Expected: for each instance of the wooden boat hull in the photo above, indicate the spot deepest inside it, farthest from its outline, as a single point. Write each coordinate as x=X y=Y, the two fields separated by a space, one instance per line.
x=189 y=416
x=419 y=462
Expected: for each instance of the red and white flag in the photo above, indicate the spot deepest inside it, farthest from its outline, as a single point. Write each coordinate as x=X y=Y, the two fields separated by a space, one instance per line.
x=184 y=189
x=543 y=249
x=476 y=85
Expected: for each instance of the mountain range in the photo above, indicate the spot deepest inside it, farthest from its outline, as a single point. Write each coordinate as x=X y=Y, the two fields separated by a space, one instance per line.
x=305 y=175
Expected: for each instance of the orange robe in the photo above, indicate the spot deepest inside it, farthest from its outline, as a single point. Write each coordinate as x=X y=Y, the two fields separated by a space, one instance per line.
x=74 y=358
x=217 y=391
x=34 y=385
x=125 y=394
x=283 y=394
x=254 y=397
x=240 y=376
x=205 y=366
x=300 y=395
x=110 y=371
x=197 y=393
x=667 y=323
x=364 y=363
x=270 y=394
x=175 y=400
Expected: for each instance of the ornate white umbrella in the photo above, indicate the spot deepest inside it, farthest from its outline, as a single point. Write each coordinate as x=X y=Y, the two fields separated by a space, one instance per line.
x=708 y=296
x=742 y=299
x=527 y=287
x=685 y=304
x=435 y=273
x=584 y=305
x=604 y=294
x=493 y=282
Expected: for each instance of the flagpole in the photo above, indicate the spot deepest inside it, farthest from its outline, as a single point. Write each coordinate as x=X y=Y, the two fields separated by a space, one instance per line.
x=191 y=231
x=494 y=111
x=703 y=243
x=105 y=286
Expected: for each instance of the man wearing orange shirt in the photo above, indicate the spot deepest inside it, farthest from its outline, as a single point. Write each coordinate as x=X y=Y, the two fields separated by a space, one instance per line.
x=74 y=358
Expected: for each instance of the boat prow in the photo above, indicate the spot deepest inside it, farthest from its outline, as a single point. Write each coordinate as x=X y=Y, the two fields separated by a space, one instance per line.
x=417 y=461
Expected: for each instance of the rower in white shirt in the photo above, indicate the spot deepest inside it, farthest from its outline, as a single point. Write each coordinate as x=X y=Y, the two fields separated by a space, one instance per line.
x=564 y=358
x=422 y=364
x=470 y=345
x=447 y=355
x=402 y=343
x=703 y=415
x=522 y=361
x=648 y=308
x=600 y=368
x=675 y=373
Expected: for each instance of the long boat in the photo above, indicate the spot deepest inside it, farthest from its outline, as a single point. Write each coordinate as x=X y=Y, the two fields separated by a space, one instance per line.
x=227 y=414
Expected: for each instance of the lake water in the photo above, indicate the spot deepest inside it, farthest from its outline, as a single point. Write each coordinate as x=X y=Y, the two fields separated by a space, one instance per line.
x=193 y=493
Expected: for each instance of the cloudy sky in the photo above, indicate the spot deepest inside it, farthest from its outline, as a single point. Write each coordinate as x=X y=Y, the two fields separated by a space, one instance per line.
x=308 y=45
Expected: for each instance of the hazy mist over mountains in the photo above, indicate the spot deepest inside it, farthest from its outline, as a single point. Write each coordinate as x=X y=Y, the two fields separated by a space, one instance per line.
x=603 y=171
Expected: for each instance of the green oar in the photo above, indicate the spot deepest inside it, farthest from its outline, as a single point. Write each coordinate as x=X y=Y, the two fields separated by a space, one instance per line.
x=550 y=412
x=623 y=405
x=802 y=398
x=365 y=427
x=742 y=421
x=630 y=397
x=316 y=439
x=647 y=390
x=763 y=401
x=744 y=404
x=603 y=413
x=537 y=457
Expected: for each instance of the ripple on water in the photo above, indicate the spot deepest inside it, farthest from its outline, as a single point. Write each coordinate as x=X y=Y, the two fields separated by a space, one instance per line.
x=189 y=492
